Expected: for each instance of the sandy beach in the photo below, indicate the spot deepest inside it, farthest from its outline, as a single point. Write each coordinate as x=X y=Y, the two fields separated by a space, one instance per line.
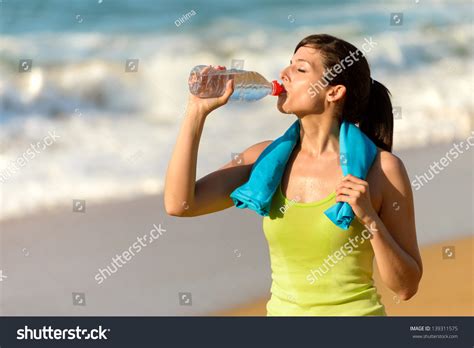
x=447 y=287
x=218 y=262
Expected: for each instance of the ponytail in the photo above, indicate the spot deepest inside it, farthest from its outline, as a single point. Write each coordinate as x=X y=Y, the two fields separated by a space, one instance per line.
x=377 y=121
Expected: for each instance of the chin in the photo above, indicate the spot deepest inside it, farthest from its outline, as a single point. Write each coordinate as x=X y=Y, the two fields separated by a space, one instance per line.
x=283 y=108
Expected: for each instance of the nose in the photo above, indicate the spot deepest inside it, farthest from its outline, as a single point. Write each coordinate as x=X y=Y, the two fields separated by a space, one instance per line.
x=283 y=75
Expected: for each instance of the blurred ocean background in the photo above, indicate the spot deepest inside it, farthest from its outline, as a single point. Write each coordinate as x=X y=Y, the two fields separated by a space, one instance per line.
x=117 y=128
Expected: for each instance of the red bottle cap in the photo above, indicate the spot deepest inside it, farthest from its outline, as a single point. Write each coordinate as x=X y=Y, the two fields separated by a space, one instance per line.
x=277 y=88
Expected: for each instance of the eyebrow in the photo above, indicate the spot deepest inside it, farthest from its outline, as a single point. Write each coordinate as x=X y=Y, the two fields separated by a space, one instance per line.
x=291 y=62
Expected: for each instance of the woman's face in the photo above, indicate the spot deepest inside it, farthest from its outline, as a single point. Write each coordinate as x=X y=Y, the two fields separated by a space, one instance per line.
x=306 y=68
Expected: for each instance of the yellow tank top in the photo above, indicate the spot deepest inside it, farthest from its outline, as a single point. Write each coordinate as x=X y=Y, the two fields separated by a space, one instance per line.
x=318 y=269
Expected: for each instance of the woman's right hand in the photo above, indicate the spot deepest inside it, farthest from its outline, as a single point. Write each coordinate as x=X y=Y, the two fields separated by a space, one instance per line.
x=207 y=105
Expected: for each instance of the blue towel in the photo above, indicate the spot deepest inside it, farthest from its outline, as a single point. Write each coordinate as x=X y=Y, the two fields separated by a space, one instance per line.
x=357 y=153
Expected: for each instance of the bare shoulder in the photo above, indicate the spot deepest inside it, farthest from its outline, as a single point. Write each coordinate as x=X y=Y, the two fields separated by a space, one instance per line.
x=390 y=174
x=387 y=164
x=395 y=175
x=386 y=176
x=251 y=154
x=259 y=147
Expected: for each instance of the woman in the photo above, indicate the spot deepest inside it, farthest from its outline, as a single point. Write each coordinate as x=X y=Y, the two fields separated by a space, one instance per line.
x=317 y=268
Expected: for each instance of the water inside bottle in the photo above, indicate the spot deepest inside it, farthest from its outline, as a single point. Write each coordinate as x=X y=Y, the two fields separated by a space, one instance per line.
x=248 y=86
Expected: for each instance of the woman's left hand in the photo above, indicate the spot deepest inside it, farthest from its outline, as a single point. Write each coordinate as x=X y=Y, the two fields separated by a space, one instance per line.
x=356 y=192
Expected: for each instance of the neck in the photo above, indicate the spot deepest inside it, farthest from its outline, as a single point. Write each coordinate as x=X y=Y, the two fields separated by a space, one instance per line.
x=319 y=134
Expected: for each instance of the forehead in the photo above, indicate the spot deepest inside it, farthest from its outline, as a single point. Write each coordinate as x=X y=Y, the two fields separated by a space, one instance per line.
x=308 y=54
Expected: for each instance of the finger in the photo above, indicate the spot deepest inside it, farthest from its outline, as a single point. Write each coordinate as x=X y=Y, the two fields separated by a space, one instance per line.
x=342 y=198
x=228 y=91
x=355 y=179
x=351 y=185
x=344 y=183
x=349 y=182
x=348 y=192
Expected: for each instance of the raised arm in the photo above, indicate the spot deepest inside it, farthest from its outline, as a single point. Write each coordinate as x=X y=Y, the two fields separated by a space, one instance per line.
x=184 y=196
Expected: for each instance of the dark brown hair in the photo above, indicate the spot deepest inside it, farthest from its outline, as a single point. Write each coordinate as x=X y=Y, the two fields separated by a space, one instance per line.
x=367 y=102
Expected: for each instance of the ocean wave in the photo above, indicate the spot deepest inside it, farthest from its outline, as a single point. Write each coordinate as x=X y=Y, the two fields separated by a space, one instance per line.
x=93 y=80
x=117 y=128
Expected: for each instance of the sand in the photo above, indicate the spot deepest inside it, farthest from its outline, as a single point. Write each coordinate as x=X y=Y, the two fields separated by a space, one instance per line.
x=221 y=259
x=446 y=289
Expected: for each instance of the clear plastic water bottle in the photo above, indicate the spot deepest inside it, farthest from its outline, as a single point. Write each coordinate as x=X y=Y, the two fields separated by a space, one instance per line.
x=208 y=82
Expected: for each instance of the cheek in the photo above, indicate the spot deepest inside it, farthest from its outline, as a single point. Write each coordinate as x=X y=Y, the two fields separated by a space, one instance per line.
x=302 y=90
x=304 y=98
x=297 y=103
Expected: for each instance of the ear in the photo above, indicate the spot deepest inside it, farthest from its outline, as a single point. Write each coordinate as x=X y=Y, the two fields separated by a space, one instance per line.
x=336 y=93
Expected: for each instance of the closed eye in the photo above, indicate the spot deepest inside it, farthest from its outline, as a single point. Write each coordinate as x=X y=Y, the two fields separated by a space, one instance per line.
x=300 y=69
